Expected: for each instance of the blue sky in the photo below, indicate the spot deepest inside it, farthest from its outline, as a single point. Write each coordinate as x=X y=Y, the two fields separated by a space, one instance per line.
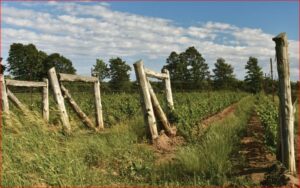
x=151 y=30
x=243 y=14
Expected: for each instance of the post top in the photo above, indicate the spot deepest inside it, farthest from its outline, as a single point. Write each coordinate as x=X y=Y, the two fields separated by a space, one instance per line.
x=280 y=37
x=138 y=62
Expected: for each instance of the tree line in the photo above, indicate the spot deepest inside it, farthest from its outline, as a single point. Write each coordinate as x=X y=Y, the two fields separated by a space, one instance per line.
x=188 y=71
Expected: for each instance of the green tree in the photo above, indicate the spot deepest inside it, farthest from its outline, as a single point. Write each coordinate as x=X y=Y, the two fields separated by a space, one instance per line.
x=223 y=75
x=61 y=64
x=178 y=67
x=25 y=62
x=198 y=70
x=188 y=69
x=102 y=69
x=119 y=74
x=254 y=78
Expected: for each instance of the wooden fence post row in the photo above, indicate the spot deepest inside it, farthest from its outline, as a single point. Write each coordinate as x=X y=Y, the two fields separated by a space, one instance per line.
x=57 y=89
x=149 y=100
x=60 y=92
x=286 y=111
x=6 y=93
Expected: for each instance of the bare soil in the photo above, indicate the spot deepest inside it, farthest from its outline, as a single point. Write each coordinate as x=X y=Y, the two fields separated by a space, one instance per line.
x=165 y=147
x=255 y=162
x=258 y=159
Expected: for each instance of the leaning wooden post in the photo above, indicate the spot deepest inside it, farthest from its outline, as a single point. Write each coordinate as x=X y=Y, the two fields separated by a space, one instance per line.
x=15 y=100
x=168 y=90
x=59 y=99
x=98 y=104
x=145 y=98
x=46 y=100
x=77 y=109
x=5 y=104
x=160 y=113
x=285 y=101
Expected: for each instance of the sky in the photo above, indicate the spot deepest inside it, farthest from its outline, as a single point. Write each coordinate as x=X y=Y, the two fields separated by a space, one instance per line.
x=85 y=31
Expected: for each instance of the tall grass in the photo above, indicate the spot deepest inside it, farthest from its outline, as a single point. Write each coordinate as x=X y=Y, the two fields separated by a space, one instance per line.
x=35 y=153
x=207 y=162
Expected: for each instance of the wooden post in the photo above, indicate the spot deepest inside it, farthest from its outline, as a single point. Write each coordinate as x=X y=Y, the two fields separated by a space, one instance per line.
x=77 y=109
x=272 y=79
x=46 y=100
x=21 y=83
x=160 y=113
x=146 y=99
x=286 y=106
x=76 y=78
x=59 y=99
x=168 y=90
x=15 y=100
x=98 y=105
x=153 y=74
x=5 y=103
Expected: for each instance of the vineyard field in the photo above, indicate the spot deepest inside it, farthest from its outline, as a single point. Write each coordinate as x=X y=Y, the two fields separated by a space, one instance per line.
x=189 y=107
x=36 y=153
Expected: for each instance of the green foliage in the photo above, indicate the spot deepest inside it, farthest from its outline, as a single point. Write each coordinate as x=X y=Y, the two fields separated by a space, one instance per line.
x=61 y=64
x=267 y=111
x=191 y=108
x=38 y=154
x=254 y=77
x=116 y=107
x=223 y=75
x=101 y=69
x=188 y=69
x=207 y=161
x=26 y=62
x=119 y=74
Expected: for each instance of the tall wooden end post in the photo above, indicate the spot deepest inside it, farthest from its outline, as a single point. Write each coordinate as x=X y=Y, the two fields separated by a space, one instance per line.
x=59 y=99
x=286 y=106
x=146 y=99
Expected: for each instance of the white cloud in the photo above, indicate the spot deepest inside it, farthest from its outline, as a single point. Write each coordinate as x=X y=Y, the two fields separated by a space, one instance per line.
x=83 y=33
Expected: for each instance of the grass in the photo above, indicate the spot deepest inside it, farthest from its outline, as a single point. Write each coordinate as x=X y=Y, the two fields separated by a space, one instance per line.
x=207 y=162
x=35 y=153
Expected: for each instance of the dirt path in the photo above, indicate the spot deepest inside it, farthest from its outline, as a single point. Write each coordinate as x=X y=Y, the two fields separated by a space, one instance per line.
x=165 y=147
x=257 y=158
x=255 y=162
